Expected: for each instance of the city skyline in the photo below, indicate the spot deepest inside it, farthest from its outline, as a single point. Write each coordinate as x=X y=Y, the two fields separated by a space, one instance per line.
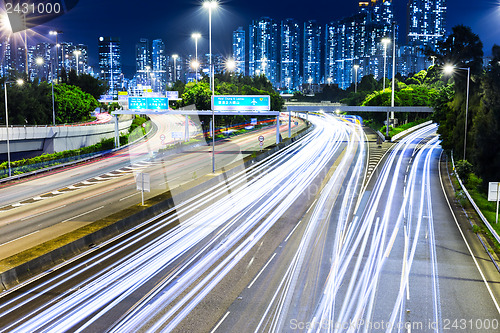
x=174 y=22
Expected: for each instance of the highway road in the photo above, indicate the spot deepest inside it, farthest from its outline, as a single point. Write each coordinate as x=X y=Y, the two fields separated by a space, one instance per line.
x=37 y=210
x=293 y=243
x=152 y=278
x=401 y=264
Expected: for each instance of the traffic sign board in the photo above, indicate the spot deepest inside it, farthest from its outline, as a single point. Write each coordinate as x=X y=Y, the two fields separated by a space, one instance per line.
x=148 y=103
x=261 y=138
x=241 y=103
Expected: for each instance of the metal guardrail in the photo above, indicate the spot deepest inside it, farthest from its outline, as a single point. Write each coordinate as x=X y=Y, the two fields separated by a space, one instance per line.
x=478 y=211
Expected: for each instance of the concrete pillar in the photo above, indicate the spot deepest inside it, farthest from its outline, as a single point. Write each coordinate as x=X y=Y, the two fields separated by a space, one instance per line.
x=117 y=132
x=289 y=124
x=186 y=129
x=277 y=129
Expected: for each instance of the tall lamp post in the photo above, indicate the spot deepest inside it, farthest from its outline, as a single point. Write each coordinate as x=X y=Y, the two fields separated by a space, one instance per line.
x=393 y=90
x=196 y=36
x=211 y=5
x=356 y=67
x=449 y=69
x=40 y=61
x=386 y=42
x=20 y=83
x=175 y=56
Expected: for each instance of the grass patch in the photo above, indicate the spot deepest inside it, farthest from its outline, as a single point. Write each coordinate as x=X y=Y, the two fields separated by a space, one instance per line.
x=396 y=130
x=488 y=208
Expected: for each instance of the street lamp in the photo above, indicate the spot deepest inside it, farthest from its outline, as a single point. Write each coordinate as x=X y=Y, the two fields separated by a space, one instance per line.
x=175 y=56
x=194 y=65
x=450 y=69
x=196 y=36
x=77 y=53
x=19 y=82
x=385 y=41
x=231 y=65
x=40 y=61
x=211 y=5
x=356 y=67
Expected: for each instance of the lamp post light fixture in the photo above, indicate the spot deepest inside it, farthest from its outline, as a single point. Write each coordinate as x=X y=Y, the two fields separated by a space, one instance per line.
x=231 y=65
x=195 y=65
x=77 y=53
x=450 y=69
x=19 y=82
x=39 y=62
x=211 y=5
x=196 y=36
x=356 y=68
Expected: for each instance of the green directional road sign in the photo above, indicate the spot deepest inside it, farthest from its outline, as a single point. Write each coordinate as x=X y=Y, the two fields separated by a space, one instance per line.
x=241 y=103
x=137 y=103
x=148 y=103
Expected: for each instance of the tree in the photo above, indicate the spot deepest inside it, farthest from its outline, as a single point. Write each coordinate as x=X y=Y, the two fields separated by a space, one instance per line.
x=462 y=48
x=72 y=104
x=486 y=124
x=88 y=84
x=29 y=104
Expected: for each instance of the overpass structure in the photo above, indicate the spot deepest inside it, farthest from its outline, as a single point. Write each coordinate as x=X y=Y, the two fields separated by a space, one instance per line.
x=330 y=107
x=28 y=141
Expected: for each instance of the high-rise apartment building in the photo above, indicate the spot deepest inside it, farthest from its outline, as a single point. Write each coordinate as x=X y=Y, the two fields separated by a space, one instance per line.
x=264 y=49
x=110 y=64
x=426 y=22
x=290 y=55
x=357 y=40
x=312 y=52
x=239 y=50
x=159 y=66
x=143 y=62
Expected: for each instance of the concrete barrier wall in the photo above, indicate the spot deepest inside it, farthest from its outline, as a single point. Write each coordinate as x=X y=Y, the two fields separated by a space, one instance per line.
x=24 y=272
x=50 y=139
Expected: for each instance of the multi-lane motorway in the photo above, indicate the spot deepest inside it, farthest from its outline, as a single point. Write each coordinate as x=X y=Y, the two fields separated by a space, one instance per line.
x=37 y=210
x=295 y=242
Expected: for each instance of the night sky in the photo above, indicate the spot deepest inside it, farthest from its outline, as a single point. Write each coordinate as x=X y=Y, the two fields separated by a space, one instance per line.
x=175 y=20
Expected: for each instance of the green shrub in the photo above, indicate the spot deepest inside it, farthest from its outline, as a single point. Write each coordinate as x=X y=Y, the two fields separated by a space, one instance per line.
x=463 y=169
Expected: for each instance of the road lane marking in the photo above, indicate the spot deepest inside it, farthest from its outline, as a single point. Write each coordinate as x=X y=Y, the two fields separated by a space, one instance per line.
x=47 y=211
x=311 y=206
x=129 y=196
x=261 y=271
x=391 y=243
x=292 y=231
x=34 y=232
x=80 y=215
x=466 y=243
x=170 y=180
x=220 y=322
